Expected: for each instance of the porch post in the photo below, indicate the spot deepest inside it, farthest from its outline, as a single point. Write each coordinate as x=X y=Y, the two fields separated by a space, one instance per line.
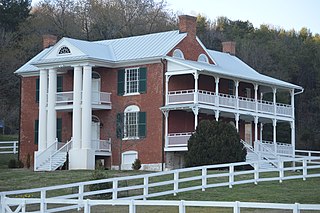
x=293 y=137
x=237 y=93
x=196 y=76
x=76 y=111
x=216 y=114
x=274 y=90
x=217 y=94
x=166 y=116
x=237 y=117
x=256 y=87
x=42 y=131
x=261 y=130
x=256 y=120
x=167 y=89
x=292 y=102
x=274 y=121
x=86 y=107
x=52 y=115
x=196 y=112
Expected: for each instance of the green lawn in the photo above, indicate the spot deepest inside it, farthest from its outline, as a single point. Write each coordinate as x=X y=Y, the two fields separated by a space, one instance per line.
x=290 y=191
x=8 y=137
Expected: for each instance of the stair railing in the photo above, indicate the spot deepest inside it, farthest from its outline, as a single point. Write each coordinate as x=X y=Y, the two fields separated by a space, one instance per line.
x=262 y=149
x=65 y=148
x=45 y=154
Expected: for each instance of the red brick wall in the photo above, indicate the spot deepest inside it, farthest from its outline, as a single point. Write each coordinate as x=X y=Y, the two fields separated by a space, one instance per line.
x=181 y=82
x=29 y=113
x=180 y=121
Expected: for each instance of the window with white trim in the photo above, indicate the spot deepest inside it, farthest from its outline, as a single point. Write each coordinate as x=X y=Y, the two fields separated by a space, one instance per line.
x=203 y=58
x=177 y=53
x=132 y=80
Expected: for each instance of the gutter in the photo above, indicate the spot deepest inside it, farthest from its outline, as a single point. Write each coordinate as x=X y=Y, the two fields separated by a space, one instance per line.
x=301 y=91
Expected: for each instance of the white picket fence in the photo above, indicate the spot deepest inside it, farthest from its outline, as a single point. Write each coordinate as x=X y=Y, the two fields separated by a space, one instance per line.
x=165 y=183
x=9 y=147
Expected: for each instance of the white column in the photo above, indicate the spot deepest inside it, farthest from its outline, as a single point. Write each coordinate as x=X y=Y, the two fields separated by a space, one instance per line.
x=237 y=118
x=237 y=93
x=293 y=136
x=86 y=107
x=217 y=93
x=274 y=122
x=216 y=114
x=76 y=111
x=261 y=130
x=167 y=89
x=195 y=111
x=256 y=87
x=196 y=77
x=42 y=131
x=292 y=102
x=52 y=115
x=166 y=116
x=275 y=100
x=256 y=120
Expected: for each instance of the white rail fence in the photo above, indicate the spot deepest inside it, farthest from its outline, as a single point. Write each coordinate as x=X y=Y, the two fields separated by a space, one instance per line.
x=132 y=205
x=9 y=147
x=169 y=182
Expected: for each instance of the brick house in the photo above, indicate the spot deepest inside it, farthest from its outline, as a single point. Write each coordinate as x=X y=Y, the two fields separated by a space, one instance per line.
x=140 y=97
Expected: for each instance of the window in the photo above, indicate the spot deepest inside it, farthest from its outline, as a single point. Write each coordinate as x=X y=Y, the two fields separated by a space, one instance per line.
x=59 y=129
x=203 y=58
x=129 y=157
x=177 y=53
x=64 y=50
x=36 y=131
x=231 y=87
x=131 y=124
x=132 y=81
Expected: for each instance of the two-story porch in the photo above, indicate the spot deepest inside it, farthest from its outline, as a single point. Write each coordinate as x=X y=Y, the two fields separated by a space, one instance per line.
x=229 y=91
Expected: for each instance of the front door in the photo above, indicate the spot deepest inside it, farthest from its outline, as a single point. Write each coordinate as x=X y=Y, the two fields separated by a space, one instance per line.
x=248 y=133
x=95 y=134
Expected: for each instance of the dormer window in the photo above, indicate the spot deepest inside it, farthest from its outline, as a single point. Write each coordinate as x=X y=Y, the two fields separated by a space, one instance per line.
x=203 y=58
x=177 y=53
x=64 y=50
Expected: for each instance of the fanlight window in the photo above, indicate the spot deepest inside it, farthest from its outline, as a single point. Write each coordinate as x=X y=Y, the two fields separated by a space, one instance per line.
x=64 y=50
x=177 y=53
x=203 y=58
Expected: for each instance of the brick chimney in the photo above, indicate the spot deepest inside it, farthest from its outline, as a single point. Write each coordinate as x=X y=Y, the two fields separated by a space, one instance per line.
x=188 y=24
x=49 y=40
x=229 y=47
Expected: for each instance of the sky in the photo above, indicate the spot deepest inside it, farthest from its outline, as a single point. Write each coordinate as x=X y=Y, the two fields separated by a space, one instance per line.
x=286 y=14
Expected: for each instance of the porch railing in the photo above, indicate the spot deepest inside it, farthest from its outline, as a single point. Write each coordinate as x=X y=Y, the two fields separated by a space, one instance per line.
x=178 y=139
x=102 y=145
x=230 y=101
x=97 y=97
x=283 y=149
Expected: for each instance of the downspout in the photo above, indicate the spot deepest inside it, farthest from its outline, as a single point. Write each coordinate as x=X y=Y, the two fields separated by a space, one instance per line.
x=163 y=103
x=301 y=91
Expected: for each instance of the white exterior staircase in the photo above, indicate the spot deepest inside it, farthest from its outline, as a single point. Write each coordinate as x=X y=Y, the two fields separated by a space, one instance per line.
x=53 y=157
x=254 y=156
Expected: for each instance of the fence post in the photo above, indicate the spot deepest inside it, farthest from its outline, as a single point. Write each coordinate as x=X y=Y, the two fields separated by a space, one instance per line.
x=80 y=195
x=43 y=205
x=182 y=207
x=236 y=208
x=281 y=172
x=296 y=208
x=114 y=189
x=146 y=187
x=304 y=169
x=175 y=182
x=256 y=173
x=204 y=178
x=23 y=206
x=86 y=206
x=2 y=203
x=14 y=147
x=132 y=207
x=231 y=176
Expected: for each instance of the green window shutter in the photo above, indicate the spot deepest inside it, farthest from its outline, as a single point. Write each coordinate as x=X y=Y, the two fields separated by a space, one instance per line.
x=37 y=89
x=60 y=83
x=59 y=129
x=143 y=80
x=142 y=125
x=121 y=80
x=36 y=131
x=120 y=125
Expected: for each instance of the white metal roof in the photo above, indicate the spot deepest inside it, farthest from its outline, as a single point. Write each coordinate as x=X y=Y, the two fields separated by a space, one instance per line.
x=231 y=66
